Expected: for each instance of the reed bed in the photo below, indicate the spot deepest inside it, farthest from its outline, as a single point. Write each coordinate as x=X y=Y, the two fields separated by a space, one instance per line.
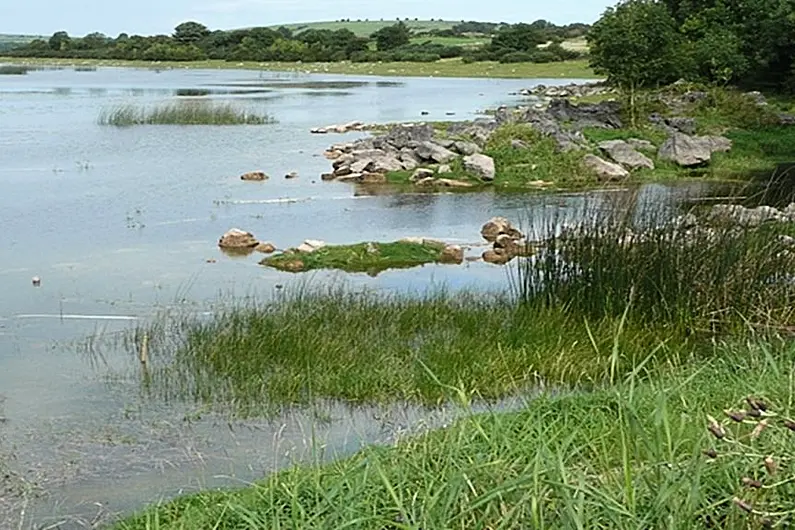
x=182 y=113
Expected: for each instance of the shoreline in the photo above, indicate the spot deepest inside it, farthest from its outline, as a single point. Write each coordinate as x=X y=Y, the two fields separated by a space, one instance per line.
x=577 y=69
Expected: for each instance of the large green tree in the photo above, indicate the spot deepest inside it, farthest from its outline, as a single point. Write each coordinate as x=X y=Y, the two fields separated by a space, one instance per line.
x=636 y=44
x=190 y=32
x=391 y=37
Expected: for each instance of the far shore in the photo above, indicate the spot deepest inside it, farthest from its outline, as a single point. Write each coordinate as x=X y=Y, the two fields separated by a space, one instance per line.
x=577 y=69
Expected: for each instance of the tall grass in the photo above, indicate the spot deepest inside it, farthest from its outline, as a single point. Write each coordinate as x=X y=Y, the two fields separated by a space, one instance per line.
x=14 y=69
x=699 y=275
x=636 y=455
x=182 y=113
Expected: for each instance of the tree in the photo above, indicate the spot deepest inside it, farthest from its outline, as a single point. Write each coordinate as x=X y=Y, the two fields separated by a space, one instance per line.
x=60 y=41
x=391 y=37
x=190 y=32
x=518 y=37
x=636 y=44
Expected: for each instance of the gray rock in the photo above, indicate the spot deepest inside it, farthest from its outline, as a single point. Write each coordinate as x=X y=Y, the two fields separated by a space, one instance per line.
x=408 y=163
x=747 y=216
x=481 y=165
x=690 y=151
x=604 y=115
x=643 y=145
x=453 y=183
x=686 y=151
x=444 y=142
x=362 y=165
x=435 y=153
x=623 y=153
x=387 y=164
x=444 y=168
x=518 y=144
x=604 y=170
x=421 y=174
x=675 y=124
x=757 y=97
x=466 y=148
x=344 y=160
x=407 y=135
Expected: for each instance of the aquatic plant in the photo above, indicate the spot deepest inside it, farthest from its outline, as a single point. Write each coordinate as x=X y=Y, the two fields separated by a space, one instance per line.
x=645 y=452
x=14 y=69
x=182 y=113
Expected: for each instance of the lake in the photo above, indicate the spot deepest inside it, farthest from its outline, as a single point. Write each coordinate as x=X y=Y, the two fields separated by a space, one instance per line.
x=121 y=223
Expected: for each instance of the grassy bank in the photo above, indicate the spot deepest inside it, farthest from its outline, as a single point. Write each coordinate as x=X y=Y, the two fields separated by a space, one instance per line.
x=759 y=144
x=636 y=454
x=445 y=68
x=181 y=113
x=371 y=258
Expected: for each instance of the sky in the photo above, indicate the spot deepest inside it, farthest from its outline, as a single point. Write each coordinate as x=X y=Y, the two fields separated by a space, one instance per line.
x=149 y=17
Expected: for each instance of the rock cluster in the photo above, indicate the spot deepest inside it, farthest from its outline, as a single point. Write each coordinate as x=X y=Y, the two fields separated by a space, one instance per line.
x=572 y=90
x=507 y=241
x=406 y=148
x=242 y=241
x=743 y=216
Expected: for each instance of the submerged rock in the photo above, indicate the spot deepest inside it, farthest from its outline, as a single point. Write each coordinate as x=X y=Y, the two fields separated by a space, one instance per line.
x=237 y=239
x=254 y=176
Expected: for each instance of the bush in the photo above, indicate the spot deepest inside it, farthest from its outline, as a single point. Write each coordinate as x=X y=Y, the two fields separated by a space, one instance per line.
x=517 y=57
x=544 y=56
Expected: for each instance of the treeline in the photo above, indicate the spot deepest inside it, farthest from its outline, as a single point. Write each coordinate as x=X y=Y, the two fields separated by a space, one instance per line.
x=192 y=41
x=648 y=43
x=549 y=31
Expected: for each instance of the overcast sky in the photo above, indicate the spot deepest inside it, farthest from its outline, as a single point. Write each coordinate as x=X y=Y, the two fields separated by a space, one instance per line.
x=146 y=17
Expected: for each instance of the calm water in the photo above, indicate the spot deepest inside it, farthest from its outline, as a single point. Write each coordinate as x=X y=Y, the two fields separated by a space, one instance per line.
x=121 y=222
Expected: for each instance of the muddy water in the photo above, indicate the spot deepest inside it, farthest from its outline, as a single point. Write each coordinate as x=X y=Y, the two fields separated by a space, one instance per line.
x=120 y=223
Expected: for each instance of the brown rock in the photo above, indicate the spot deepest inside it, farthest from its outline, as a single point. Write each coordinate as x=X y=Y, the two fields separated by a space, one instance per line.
x=295 y=265
x=452 y=254
x=254 y=175
x=373 y=178
x=265 y=248
x=237 y=239
x=497 y=226
x=327 y=176
x=453 y=183
x=496 y=257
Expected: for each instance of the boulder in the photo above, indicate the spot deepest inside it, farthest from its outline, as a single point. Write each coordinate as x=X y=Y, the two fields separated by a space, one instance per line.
x=603 y=115
x=675 y=124
x=624 y=154
x=291 y=175
x=265 y=248
x=444 y=169
x=310 y=245
x=362 y=165
x=434 y=153
x=421 y=174
x=481 y=165
x=254 y=176
x=372 y=178
x=387 y=164
x=604 y=170
x=452 y=254
x=327 y=176
x=237 y=239
x=496 y=257
x=406 y=136
x=345 y=159
x=690 y=151
x=447 y=143
x=466 y=148
x=497 y=226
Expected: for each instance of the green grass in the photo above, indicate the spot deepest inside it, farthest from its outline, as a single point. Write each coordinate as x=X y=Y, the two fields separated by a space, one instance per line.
x=361 y=257
x=628 y=456
x=12 y=69
x=577 y=69
x=365 y=28
x=181 y=113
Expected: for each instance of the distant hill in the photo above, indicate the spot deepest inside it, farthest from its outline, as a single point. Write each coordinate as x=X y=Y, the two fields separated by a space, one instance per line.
x=364 y=28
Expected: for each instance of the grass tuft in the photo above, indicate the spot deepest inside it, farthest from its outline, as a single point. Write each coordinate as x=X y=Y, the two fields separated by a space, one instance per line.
x=182 y=113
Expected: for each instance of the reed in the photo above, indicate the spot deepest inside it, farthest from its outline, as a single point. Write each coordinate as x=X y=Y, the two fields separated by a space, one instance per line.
x=182 y=113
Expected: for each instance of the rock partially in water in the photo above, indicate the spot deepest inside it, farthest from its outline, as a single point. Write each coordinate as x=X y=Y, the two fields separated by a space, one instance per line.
x=291 y=175
x=604 y=170
x=497 y=226
x=481 y=165
x=310 y=245
x=453 y=183
x=496 y=257
x=265 y=248
x=254 y=176
x=624 y=154
x=452 y=254
x=236 y=239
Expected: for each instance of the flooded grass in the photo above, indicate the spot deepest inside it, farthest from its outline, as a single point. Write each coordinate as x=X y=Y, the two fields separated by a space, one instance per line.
x=371 y=258
x=182 y=113
x=14 y=69
x=640 y=453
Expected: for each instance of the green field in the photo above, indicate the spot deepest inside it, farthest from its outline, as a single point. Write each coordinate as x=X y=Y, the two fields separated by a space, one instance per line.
x=578 y=69
x=365 y=28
